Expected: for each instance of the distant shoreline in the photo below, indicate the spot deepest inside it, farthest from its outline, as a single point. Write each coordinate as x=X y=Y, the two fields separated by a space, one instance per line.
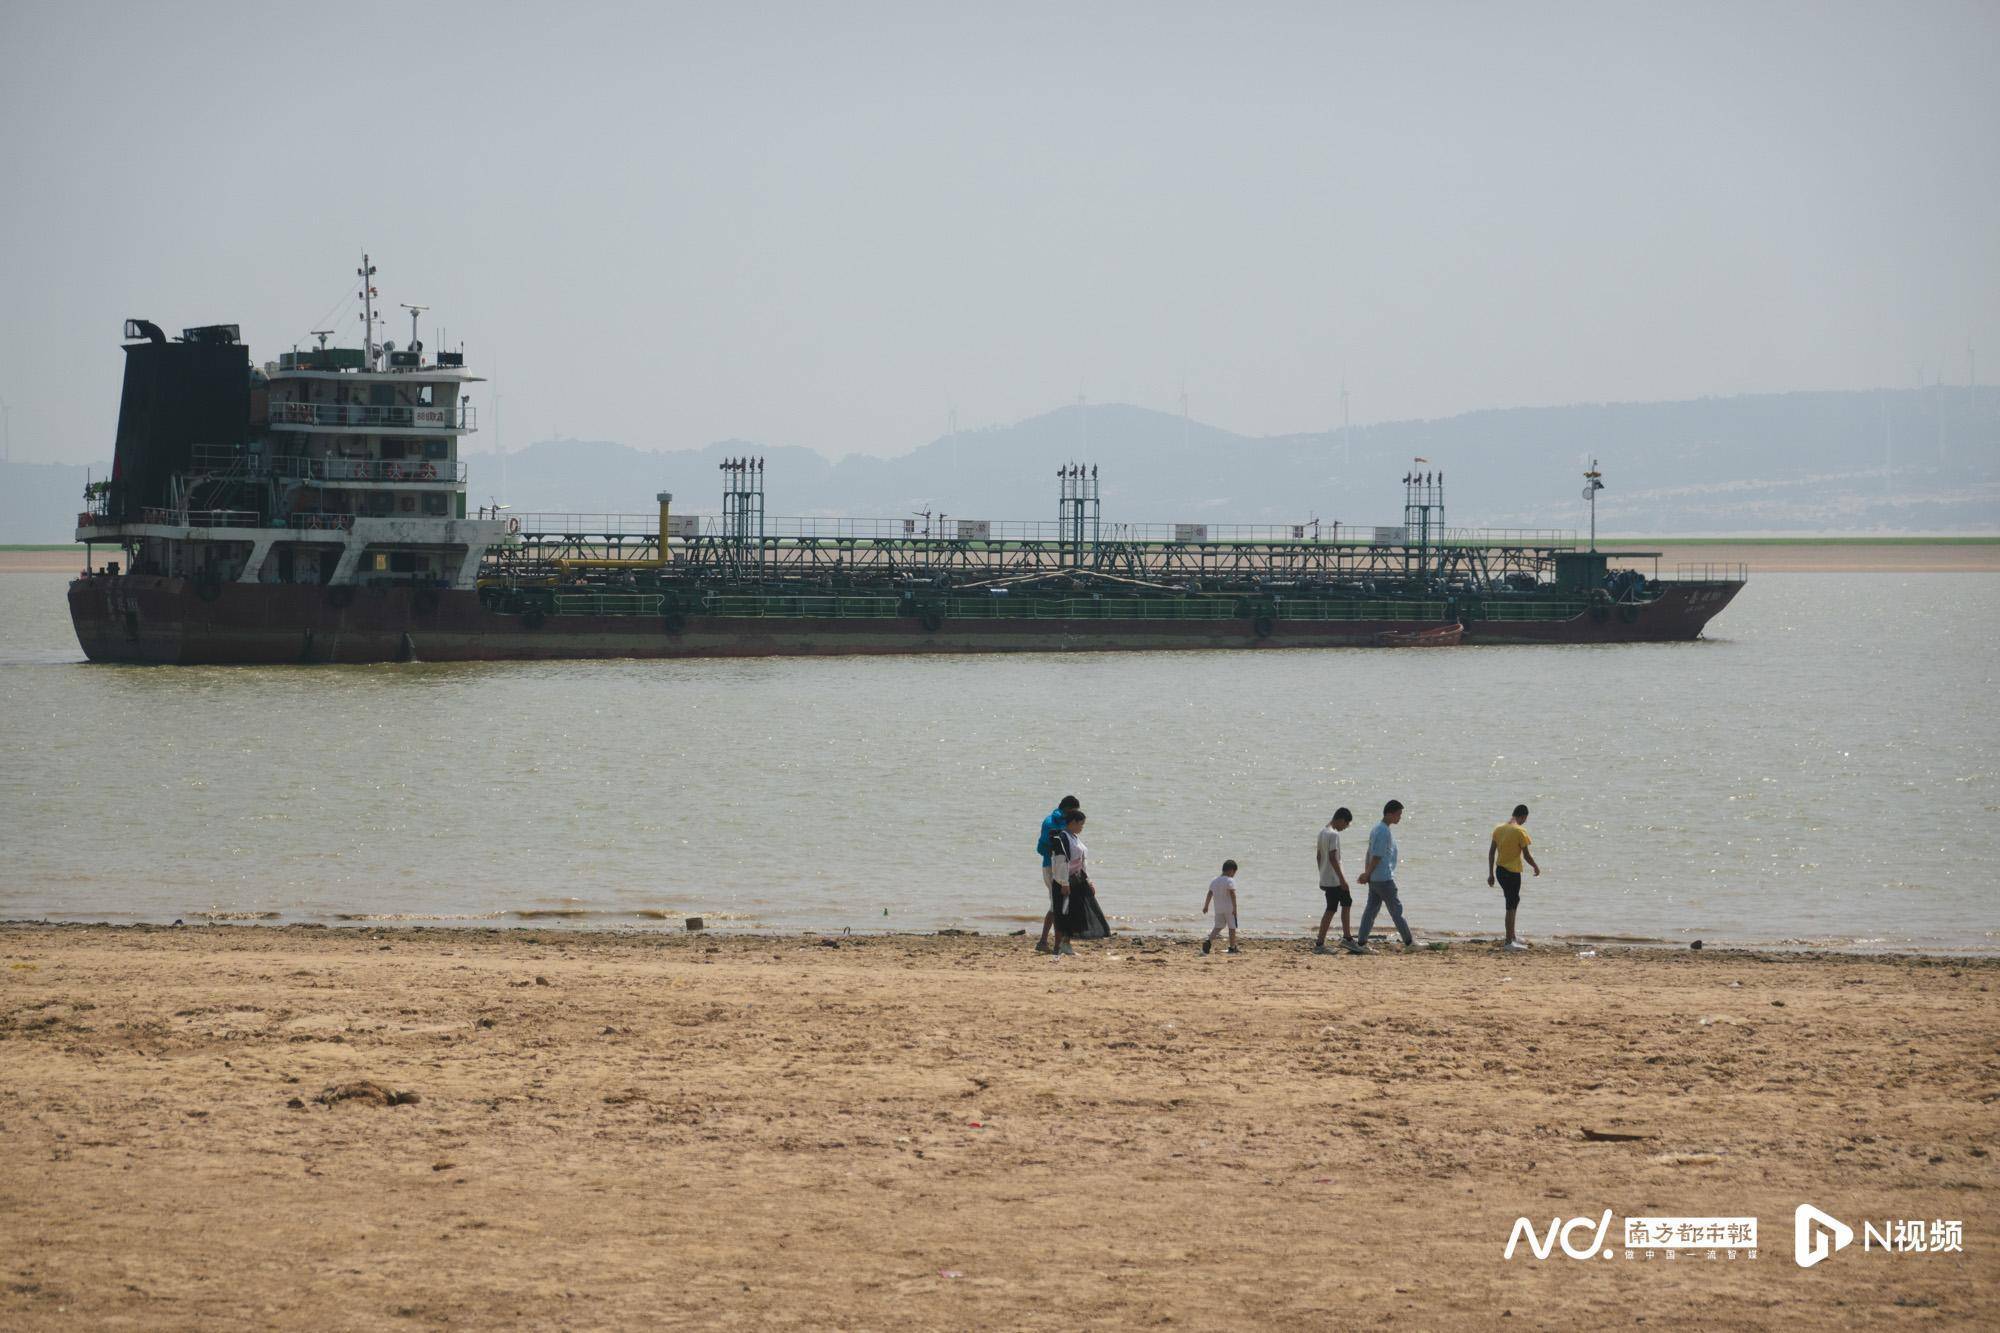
x=1763 y=555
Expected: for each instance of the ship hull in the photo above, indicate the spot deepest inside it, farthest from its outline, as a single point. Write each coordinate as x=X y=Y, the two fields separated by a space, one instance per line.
x=151 y=619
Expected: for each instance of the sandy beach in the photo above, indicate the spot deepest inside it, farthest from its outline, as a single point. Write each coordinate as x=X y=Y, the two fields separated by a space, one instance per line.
x=1836 y=557
x=234 y=1127
x=46 y=562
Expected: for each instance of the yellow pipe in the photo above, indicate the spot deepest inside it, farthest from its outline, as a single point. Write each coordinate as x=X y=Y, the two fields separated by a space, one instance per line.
x=666 y=499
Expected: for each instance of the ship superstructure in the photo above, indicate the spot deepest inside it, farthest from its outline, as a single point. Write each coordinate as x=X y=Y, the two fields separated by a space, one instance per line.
x=329 y=467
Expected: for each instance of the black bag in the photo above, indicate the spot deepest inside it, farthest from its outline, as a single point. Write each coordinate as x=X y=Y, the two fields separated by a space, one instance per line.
x=1093 y=925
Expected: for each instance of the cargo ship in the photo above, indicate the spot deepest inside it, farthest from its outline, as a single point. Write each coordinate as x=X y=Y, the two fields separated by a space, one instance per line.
x=313 y=509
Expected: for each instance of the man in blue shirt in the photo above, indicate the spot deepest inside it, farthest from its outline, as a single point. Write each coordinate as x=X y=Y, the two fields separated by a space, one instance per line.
x=1380 y=876
x=1045 y=845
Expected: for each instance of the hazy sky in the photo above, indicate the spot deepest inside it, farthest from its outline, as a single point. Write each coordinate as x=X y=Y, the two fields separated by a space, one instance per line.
x=829 y=225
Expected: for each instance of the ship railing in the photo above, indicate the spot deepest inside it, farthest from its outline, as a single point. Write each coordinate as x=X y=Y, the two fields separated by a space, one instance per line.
x=321 y=522
x=975 y=531
x=1532 y=537
x=238 y=459
x=608 y=603
x=1707 y=572
x=202 y=518
x=445 y=470
x=459 y=417
x=825 y=606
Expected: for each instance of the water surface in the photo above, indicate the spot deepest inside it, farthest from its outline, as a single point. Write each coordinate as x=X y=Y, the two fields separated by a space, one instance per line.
x=1823 y=770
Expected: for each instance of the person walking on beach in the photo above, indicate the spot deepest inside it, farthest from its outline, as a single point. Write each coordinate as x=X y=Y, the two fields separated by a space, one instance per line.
x=1069 y=871
x=1504 y=853
x=1222 y=897
x=1380 y=877
x=1043 y=845
x=1333 y=882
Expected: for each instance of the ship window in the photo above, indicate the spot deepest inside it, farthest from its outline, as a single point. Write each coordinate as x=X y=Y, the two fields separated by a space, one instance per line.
x=437 y=448
x=426 y=395
x=407 y=503
x=394 y=448
x=382 y=395
x=381 y=561
x=403 y=562
x=434 y=503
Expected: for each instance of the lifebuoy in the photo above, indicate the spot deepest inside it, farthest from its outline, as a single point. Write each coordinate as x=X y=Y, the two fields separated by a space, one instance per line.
x=513 y=525
x=393 y=471
x=932 y=620
x=1263 y=625
x=427 y=472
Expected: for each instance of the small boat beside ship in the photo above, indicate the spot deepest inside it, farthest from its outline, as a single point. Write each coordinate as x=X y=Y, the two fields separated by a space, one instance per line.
x=313 y=509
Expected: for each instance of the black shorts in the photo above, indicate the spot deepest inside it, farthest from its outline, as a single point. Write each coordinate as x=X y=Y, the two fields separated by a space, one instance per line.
x=1510 y=884
x=1336 y=896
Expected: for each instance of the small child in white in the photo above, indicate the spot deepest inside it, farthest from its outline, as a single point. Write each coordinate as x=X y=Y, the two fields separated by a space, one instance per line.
x=1222 y=897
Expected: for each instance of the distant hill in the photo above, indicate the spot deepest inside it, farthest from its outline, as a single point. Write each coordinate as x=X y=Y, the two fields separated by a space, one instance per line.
x=1795 y=462
x=1768 y=463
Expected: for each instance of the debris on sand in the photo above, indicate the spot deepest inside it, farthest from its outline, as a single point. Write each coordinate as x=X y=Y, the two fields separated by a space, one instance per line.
x=368 y=1091
x=1613 y=1136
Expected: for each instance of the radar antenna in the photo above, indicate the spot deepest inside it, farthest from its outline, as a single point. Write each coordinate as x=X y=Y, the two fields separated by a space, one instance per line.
x=322 y=335
x=414 y=310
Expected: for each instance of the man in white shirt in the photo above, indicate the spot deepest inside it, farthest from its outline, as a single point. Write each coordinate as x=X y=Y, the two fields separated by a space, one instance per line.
x=1333 y=882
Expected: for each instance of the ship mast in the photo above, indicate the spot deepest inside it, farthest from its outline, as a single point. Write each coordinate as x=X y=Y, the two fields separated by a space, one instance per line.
x=1594 y=482
x=367 y=275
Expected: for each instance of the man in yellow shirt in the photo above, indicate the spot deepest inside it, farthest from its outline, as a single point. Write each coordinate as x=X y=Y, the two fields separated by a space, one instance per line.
x=1504 y=854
